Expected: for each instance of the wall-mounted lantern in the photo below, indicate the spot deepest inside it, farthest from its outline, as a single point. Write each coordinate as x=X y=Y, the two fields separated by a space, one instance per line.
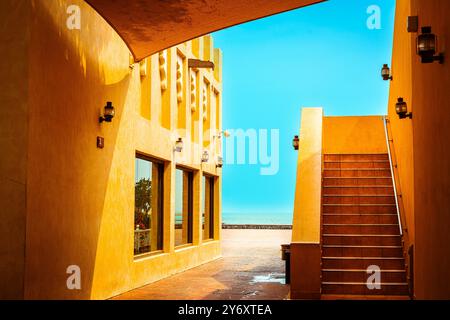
x=296 y=142
x=427 y=47
x=219 y=163
x=402 y=109
x=386 y=73
x=178 y=145
x=108 y=113
x=205 y=156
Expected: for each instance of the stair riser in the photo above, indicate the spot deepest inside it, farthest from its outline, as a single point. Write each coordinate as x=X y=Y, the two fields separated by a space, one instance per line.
x=357 y=173
x=357 y=165
x=357 y=182
x=349 y=229
x=356 y=157
x=360 y=219
x=358 y=200
x=384 y=264
x=362 y=241
x=350 y=276
x=363 y=290
x=388 y=209
x=362 y=252
x=358 y=191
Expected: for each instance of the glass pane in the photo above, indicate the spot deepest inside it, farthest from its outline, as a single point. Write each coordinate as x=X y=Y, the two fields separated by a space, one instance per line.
x=183 y=207
x=208 y=207
x=148 y=211
x=203 y=204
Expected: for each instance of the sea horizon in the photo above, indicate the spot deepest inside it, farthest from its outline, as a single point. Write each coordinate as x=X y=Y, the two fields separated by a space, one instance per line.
x=261 y=218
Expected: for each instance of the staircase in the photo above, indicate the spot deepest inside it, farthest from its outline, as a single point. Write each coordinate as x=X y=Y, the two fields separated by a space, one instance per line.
x=360 y=227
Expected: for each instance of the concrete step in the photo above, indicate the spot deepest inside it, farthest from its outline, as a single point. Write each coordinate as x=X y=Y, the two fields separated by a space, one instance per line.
x=379 y=229
x=357 y=181
x=356 y=157
x=359 y=208
x=357 y=288
x=358 y=199
x=382 y=173
x=368 y=164
x=336 y=218
x=384 y=263
x=362 y=240
x=362 y=251
x=358 y=190
x=361 y=276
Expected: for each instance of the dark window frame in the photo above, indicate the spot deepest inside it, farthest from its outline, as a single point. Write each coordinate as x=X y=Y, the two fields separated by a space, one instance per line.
x=212 y=182
x=161 y=210
x=190 y=191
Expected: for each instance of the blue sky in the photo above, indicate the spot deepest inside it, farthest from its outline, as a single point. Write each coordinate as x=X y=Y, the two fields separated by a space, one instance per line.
x=319 y=56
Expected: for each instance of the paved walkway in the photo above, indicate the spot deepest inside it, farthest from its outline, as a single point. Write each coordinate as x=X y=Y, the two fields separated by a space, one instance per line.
x=251 y=269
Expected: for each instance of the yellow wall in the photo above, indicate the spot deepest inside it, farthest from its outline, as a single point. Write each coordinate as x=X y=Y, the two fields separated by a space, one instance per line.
x=421 y=145
x=305 y=243
x=401 y=130
x=431 y=132
x=13 y=142
x=354 y=135
x=308 y=190
x=80 y=199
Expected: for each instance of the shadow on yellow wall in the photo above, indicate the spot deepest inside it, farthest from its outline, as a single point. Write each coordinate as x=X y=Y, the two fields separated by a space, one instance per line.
x=67 y=175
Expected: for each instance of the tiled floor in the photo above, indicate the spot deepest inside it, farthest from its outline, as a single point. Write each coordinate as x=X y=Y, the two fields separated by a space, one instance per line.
x=251 y=268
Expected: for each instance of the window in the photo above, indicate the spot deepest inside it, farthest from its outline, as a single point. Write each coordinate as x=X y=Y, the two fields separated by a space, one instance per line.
x=183 y=207
x=148 y=205
x=208 y=207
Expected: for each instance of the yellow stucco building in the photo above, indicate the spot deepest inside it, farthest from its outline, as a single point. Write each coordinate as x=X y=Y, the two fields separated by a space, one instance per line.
x=68 y=200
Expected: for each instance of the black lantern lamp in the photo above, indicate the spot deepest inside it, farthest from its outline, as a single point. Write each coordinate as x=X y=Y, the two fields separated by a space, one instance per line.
x=205 y=156
x=108 y=113
x=386 y=73
x=178 y=145
x=296 y=142
x=427 y=47
x=402 y=109
x=219 y=163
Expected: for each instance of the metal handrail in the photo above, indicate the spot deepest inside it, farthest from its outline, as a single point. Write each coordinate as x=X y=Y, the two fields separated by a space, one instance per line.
x=409 y=252
x=388 y=142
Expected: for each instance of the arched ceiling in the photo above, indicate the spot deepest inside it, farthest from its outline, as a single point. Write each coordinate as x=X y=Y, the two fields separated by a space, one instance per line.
x=149 y=26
